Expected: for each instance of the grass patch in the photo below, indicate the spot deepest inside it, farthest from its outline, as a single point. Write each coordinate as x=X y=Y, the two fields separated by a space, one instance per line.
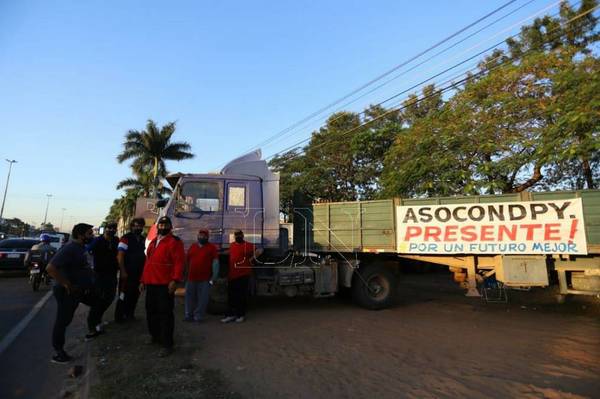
x=129 y=368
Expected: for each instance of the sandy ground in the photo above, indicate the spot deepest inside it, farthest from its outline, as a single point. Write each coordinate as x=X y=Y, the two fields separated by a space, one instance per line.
x=436 y=343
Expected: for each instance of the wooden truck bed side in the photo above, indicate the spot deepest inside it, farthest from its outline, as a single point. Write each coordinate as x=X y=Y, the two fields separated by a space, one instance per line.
x=369 y=226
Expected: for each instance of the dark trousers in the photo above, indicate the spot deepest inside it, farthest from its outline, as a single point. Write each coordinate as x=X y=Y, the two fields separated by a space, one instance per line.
x=65 y=309
x=237 y=296
x=159 y=314
x=104 y=290
x=125 y=308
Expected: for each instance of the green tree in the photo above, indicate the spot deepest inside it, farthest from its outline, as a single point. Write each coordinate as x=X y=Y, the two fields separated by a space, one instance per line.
x=528 y=117
x=290 y=166
x=150 y=148
x=123 y=208
x=143 y=184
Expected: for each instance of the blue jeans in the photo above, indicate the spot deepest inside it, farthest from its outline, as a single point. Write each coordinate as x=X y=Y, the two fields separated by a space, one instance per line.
x=196 y=299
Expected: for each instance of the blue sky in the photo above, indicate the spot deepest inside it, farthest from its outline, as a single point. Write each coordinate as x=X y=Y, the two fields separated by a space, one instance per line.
x=76 y=75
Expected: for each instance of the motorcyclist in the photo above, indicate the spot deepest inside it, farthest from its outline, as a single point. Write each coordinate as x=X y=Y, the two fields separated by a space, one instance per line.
x=41 y=252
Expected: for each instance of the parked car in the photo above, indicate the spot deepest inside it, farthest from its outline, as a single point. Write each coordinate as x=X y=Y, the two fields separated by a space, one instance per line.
x=13 y=251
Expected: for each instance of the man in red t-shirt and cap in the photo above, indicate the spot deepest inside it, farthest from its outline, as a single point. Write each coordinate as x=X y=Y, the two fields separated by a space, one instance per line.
x=241 y=254
x=162 y=271
x=202 y=269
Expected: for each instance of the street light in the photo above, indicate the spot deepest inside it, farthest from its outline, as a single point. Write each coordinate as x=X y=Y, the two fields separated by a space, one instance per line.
x=62 y=216
x=47 y=205
x=10 y=163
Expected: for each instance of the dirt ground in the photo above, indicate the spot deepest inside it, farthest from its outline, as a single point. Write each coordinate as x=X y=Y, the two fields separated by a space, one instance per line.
x=435 y=344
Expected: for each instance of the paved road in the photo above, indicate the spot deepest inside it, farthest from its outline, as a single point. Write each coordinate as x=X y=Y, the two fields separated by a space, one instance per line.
x=26 y=369
x=16 y=300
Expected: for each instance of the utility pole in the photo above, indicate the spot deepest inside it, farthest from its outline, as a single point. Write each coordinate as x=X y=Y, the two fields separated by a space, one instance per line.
x=62 y=217
x=10 y=163
x=47 y=205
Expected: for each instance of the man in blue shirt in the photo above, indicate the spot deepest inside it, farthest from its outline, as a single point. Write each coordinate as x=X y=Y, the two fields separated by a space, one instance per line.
x=73 y=282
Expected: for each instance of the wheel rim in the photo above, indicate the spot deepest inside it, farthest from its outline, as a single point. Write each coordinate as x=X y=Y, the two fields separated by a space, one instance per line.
x=378 y=287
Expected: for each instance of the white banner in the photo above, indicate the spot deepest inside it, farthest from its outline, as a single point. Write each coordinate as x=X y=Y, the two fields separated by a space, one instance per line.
x=540 y=227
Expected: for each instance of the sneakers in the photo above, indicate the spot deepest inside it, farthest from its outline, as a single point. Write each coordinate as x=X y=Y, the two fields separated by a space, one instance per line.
x=92 y=335
x=228 y=319
x=61 y=358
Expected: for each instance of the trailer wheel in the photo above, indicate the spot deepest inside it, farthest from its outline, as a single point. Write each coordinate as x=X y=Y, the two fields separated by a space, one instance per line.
x=374 y=287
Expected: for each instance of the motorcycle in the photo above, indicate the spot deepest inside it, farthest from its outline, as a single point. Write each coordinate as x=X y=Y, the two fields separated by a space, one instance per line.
x=37 y=274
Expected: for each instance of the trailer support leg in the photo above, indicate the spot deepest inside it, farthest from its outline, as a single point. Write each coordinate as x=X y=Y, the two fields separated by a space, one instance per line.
x=562 y=282
x=471 y=277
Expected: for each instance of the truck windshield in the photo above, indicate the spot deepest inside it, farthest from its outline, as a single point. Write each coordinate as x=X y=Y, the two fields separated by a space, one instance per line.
x=199 y=197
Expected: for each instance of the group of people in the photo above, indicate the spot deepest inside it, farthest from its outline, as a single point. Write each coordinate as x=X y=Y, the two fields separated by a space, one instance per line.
x=94 y=271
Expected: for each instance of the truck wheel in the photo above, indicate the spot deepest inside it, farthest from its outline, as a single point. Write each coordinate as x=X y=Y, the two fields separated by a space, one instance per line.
x=374 y=287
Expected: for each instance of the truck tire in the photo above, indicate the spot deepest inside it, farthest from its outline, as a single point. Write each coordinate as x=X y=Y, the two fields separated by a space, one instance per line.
x=374 y=287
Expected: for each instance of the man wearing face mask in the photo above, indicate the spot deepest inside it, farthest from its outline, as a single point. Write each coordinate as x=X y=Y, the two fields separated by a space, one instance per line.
x=162 y=271
x=131 y=258
x=202 y=262
x=104 y=252
x=241 y=255
x=73 y=277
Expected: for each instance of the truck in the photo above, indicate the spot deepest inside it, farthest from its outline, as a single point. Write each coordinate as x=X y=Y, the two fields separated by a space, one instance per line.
x=526 y=239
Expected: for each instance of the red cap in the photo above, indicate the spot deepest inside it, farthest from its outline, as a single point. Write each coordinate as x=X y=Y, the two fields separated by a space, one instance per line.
x=203 y=231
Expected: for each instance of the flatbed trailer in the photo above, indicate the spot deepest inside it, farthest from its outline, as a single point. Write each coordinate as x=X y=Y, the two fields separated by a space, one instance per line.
x=371 y=230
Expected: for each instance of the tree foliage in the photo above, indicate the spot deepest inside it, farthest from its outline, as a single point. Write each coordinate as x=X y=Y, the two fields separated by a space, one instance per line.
x=150 y=148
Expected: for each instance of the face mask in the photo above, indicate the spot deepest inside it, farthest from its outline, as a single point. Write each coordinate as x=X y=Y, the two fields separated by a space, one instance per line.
x=87 y=240
x=137 y=231
x=203 y=241
x=164 y=232
x=239 y=240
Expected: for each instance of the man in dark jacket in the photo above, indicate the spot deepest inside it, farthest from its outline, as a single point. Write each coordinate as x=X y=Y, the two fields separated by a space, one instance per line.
x=131 y=258
x=106 y=266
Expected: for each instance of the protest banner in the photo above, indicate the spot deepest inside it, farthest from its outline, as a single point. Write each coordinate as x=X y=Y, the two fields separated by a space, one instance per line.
x=537 y=227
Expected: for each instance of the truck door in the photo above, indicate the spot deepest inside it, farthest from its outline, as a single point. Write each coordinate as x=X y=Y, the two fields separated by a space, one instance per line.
x=243 y=210
x=199 y=205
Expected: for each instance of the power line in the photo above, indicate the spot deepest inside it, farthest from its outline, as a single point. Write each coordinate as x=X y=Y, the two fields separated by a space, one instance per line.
x=452 y=86
x=390 y=71
x=280 y=136
x=519 y=23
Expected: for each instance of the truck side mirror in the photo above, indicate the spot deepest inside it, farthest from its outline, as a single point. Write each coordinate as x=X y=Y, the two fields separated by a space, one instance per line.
x=161 y=203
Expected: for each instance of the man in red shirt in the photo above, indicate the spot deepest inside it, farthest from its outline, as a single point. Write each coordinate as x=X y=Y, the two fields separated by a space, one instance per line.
x=241 y=254
x=202 y=269
x=162 y=270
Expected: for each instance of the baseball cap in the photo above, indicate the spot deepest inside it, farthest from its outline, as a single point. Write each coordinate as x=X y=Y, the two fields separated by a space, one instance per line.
x=164 y=219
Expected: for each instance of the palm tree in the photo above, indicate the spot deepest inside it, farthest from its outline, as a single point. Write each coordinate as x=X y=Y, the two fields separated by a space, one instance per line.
x=122 y=208
x=143 y=184
x=150 y=148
